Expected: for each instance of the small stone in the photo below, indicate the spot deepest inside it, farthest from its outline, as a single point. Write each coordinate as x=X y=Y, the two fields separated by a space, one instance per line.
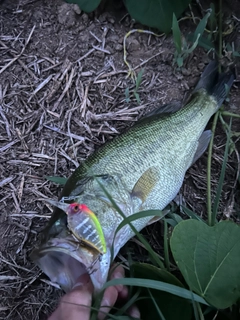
x=192 y=81
x=185 y=72
x=66 y=15
x=109 y=49
x=201 y=66
x=111 y=20
x=85 y=18
x=118 y=47
x=134 y=45
x=99 y=54
x=76 y=9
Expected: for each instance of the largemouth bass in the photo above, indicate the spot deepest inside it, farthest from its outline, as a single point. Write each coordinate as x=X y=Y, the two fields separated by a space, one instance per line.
x=141 y=169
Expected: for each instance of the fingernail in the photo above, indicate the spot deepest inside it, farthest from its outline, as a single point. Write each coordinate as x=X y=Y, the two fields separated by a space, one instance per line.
x=78 y=285
x=118 y=275
x=105 y=303
x=135 y=313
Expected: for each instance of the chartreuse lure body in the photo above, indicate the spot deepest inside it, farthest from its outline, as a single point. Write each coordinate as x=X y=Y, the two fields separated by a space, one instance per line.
x=84 y=225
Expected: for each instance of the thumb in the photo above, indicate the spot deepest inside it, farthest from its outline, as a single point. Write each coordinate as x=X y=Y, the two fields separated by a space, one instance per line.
x=76 y=304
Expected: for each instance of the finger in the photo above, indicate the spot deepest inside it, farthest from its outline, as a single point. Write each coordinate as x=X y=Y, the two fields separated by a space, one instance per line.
x=75 y=304
x=134 y=312
x=118 y=273
x=109 y=299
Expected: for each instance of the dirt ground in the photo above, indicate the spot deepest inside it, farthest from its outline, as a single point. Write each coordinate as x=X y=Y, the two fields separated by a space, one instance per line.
x=63 y=88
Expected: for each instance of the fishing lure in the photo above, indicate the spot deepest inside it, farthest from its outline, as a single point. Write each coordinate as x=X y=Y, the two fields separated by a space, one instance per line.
x=84 y=225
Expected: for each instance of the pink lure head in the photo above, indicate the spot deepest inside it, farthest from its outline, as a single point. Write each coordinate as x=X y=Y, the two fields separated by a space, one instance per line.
x=75 y=208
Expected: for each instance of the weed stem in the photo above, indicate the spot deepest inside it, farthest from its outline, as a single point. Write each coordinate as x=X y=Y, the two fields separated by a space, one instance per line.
x=209 y=163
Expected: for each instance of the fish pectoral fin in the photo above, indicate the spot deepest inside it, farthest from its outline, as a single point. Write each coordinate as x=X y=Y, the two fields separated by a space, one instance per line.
x=203 y=143
x=162 y=110
x=145 y=184
x=153 y=220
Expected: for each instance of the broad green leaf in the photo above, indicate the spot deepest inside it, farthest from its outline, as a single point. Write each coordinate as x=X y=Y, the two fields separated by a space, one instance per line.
x=209 y=259
x=86 y=5
x=160 y=302
x=58 y=180
x=156 y=13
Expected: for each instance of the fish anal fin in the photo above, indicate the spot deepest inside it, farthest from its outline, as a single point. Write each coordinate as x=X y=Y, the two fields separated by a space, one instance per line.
x=145 y=184
x=203 y=143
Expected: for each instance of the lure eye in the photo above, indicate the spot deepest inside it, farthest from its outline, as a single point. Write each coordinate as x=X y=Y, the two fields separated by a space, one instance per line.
x=75 y=208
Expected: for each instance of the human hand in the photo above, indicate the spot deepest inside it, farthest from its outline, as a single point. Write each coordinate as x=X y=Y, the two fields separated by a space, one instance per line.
x=76 y=304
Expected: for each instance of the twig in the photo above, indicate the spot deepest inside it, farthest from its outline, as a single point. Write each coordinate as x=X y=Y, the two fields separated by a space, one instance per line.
x=68 y=85
x=6 y=181
x=20 y=62
x=64 y=133
x=40 y=86
x=18 y=56
x=9 y=145
x=84 y=103
x=6 y=123
x=87 y=54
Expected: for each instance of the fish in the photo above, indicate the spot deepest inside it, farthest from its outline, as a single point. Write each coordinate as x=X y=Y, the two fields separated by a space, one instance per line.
x=141 y=169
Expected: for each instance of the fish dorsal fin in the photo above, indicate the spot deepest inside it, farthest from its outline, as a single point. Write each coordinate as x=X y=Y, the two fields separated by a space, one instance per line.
x=202 y=144
x=145 y=184
x=163 y=110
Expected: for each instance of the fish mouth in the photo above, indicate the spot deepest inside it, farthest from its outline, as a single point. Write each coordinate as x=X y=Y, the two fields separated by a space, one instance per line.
x=64 y=261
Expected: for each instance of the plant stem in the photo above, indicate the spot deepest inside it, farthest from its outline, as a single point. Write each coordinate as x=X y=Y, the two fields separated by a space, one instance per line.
x=166 y=252
x=230 y=114
x=220 y=32
x=209 y=163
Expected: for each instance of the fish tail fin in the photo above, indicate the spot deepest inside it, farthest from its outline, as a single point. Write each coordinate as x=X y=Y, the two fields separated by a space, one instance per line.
x=222 y=87
x=208 y=77
x=217 y=85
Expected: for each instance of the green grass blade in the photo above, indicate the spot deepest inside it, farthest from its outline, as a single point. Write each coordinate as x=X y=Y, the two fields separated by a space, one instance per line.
x=158 y=285
x=166 y=246
x=139 y=215
x=201 y=26
x=171 y=222
x=161 y=316
x=58 y=180
x=139 y=79
x=177 y=38
x=192 y=214
x=128 y=304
